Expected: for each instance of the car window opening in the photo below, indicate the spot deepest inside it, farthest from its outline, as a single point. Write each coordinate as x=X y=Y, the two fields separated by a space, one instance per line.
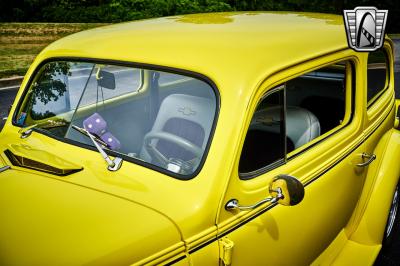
x=154 y=117
x=293 y=115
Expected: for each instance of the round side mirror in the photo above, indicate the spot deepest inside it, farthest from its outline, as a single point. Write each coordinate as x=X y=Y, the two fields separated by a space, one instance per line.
x=288 y=189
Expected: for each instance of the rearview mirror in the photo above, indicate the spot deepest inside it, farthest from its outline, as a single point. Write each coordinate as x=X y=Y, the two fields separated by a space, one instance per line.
x=287 y=189
x=106 y=80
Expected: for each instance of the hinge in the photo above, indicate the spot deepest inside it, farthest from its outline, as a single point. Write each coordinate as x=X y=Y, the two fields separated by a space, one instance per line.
x=225 y=250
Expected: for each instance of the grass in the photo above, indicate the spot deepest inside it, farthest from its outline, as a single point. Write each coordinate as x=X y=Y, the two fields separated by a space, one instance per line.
x=21 y=42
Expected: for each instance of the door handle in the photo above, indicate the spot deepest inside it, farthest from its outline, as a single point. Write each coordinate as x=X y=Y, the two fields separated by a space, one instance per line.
x=370 y=157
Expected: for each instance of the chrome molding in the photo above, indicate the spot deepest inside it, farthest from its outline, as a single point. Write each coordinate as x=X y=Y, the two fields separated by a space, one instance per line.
x=2 y=169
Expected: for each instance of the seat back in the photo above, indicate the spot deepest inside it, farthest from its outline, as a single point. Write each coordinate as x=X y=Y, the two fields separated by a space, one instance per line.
x=302 y=126
x=186 y=116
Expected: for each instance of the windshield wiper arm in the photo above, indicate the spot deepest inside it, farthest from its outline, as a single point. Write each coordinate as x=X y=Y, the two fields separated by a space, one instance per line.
x=27 y=131
x=113 y=165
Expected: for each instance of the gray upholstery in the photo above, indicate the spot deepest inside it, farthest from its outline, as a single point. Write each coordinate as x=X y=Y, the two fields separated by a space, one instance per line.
x=302 y=126
x=186 y=116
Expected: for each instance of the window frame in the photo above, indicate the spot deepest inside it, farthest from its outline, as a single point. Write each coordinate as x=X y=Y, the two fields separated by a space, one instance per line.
x=145 y=66
x=377 y=96
x=280 y=161
x=350 y=88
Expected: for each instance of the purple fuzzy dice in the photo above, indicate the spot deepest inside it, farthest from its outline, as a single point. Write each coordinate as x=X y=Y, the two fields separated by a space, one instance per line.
x=112 y=142
x=95 y=124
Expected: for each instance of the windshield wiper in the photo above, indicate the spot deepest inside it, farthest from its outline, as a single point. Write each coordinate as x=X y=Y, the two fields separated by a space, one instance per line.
x=27 y=131
x=113 y=165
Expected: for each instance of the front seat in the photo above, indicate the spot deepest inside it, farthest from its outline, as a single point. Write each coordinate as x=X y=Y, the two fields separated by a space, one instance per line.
x=302 y=126
x=185 y=116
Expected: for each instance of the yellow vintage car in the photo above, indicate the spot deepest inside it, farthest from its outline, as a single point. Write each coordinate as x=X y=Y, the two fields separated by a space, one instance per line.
x=213 y=139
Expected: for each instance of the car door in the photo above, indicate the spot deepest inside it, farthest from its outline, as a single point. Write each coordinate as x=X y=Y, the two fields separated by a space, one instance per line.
x=309 y=127
x=380 y=95
x=380 y=113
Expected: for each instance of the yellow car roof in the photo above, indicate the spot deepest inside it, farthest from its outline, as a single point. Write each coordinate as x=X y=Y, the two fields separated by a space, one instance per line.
x=244 y=45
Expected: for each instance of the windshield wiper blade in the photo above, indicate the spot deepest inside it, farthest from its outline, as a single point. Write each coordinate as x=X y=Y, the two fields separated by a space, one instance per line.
x=113 y=165
x=86 y=133
x=27 y=131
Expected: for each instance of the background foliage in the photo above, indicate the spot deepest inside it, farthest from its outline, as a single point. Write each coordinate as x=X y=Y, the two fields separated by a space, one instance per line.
x=124 y=10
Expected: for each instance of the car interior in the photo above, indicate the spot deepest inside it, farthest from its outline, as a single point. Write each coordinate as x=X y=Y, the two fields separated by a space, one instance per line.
x=167 y=125
x=315 y=104
x=165 y=119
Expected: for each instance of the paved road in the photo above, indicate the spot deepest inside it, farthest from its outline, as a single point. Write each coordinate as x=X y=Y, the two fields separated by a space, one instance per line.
x=6 y=99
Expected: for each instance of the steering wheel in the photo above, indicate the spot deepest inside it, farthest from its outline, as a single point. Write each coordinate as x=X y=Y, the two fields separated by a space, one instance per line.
x=179 y=141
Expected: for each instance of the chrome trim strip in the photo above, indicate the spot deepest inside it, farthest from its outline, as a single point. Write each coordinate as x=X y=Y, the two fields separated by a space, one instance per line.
x=2 y=169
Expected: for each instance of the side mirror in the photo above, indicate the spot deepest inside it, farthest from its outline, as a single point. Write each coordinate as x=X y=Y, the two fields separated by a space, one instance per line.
x=288 y=190
x=284 y=189
x=106 y=79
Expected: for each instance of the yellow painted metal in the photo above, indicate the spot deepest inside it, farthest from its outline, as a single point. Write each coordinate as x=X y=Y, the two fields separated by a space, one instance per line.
x=42 y=156
x=48 y=222
x=397 y=119
x=225 y=250
x=382 y=180
x=343 y=251
x=324 y=212
x=137 y=215
x=364 y=232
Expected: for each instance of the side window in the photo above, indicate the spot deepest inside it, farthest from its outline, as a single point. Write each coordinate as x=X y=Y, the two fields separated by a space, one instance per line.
x=316 y=102
x=265 y=142
x=296 y=113
x=377 y=75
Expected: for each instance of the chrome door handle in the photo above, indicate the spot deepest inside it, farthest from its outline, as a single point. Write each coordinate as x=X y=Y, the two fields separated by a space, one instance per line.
x=370 y=157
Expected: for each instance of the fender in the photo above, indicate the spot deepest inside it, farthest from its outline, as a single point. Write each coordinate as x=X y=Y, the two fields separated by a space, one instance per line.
x=377 y=194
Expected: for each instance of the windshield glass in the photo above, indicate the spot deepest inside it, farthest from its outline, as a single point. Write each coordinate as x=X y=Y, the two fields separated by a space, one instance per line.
x=149 y=116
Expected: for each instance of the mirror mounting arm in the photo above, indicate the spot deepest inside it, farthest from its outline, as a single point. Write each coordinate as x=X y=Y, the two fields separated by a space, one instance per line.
x=233 y=204
x=285 y=189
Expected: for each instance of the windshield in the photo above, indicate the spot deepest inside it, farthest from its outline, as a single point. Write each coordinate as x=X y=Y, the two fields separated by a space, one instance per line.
x=152 y=117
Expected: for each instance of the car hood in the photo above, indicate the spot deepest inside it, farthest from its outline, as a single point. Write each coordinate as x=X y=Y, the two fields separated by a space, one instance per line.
x=46 y=221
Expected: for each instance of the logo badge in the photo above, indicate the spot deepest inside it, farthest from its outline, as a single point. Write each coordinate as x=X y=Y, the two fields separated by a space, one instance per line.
x=365 y=28
x=186 y=111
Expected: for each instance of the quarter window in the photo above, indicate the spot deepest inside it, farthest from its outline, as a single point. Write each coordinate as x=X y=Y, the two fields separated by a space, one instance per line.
x=300 y=111
x=377 y=75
